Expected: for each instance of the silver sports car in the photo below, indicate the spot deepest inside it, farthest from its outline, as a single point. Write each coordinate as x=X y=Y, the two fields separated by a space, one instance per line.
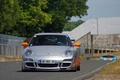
x=50 y=51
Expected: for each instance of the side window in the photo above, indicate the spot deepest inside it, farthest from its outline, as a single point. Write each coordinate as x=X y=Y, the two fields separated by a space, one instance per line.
x=69 y=41
x=33 y=41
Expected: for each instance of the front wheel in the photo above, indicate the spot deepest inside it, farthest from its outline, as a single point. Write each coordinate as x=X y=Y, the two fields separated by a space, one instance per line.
x=75 y=67
x=78 y=67
x=23 y=68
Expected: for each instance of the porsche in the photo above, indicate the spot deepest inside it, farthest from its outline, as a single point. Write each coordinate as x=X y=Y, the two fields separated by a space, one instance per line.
x=51 y=51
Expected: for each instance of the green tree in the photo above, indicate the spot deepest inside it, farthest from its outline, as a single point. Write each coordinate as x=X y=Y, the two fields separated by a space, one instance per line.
x=62 y=11
x=71 y=25
x=27 y=17
x=8 y=15
x=32 y=17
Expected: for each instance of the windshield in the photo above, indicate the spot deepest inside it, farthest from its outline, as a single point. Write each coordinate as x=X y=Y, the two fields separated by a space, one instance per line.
x=60 y=40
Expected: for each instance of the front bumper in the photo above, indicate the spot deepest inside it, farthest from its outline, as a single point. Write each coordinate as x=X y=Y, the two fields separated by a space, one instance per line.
x=65 y=64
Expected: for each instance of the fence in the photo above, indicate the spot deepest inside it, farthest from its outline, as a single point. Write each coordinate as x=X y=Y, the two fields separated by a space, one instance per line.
x=11 y=45
x=85 y=45
x=99 y=43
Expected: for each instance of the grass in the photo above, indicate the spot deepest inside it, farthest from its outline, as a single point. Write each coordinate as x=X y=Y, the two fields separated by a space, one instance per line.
x=9 y=58
x=113 y=68
x=13 y=57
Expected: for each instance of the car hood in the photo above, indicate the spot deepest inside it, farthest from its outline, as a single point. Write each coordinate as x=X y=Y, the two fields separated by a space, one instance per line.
x=49 y=50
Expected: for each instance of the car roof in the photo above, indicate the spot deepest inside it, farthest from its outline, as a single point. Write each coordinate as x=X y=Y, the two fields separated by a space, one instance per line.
x=51 y=34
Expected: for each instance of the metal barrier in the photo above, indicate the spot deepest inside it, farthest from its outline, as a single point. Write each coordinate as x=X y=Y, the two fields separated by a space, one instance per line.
x=106 y=43
x=99 y=43
x=85 y=43
x=11 y=45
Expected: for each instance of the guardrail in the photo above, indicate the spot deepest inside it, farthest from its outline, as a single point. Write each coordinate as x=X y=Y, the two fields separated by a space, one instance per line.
x=11 y=45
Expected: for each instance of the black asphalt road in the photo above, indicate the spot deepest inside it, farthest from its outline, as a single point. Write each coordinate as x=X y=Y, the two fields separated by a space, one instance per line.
x=12 y=71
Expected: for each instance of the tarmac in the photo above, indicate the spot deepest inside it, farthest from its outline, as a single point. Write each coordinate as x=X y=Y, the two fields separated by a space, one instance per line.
x=95 y=77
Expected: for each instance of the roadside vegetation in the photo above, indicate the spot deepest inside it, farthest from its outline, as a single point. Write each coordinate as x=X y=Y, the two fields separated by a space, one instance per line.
x=71 y=25
x=27 y=17
x=113 y=68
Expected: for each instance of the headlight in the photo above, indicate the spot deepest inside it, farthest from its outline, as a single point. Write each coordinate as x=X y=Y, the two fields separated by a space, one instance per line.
x=28 y=52
x=69 y=53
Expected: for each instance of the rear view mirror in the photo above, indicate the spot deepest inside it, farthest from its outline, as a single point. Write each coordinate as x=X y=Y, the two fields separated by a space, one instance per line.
x=25 y=44
x=76 y=44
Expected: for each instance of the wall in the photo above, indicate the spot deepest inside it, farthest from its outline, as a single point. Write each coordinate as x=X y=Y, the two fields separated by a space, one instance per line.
x=11 y=45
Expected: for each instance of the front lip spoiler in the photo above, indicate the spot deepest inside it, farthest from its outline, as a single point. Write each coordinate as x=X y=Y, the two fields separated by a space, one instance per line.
x=49 y=69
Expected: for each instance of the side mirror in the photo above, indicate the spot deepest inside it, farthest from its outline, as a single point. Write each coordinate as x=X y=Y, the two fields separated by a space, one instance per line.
x=72 y=39
x=77 y=44
x=25 y=44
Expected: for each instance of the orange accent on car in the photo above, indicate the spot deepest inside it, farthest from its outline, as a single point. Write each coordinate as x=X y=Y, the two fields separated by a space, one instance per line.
x=78 y=60
x=108 y=58
x=77 y=44
x=25 y=44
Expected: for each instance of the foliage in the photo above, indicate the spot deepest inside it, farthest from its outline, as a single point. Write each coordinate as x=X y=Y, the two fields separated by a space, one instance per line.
x=71 y=25
x=26 y=17
x=8 y=15
x=114 y=66
x=62 y=11
x=32 y=18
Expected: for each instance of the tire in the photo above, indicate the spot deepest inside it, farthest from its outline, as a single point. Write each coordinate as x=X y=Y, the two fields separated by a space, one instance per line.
x=23 y=68
x=78 y=67
x=75 y=68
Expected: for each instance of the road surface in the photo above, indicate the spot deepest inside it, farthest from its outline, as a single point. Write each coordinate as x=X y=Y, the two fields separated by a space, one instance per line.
x=12 y=71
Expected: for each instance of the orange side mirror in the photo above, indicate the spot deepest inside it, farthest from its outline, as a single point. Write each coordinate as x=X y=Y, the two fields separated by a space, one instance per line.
x=76 y=44
x=25 y=44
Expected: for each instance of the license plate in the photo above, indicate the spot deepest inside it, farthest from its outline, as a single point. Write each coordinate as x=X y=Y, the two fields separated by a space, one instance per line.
x=47 y=61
